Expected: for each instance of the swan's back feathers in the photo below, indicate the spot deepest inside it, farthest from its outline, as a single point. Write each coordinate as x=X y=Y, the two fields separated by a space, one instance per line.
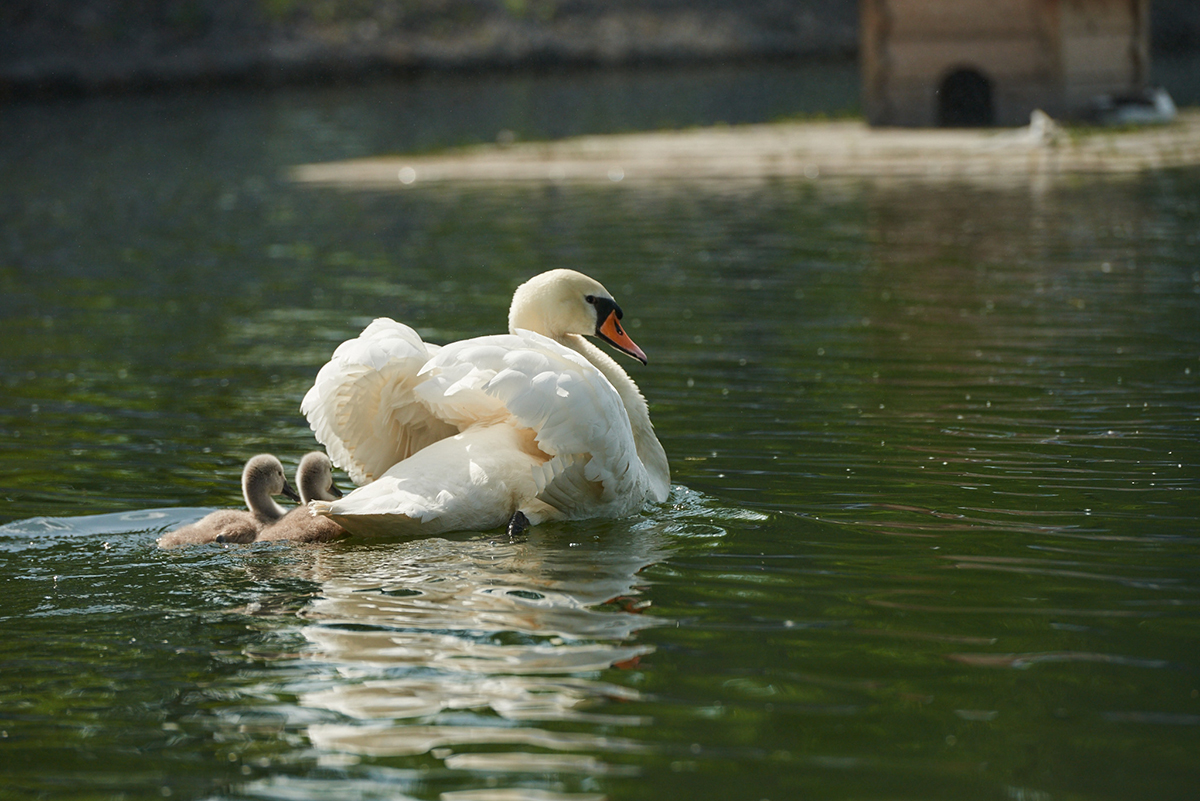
x=577 y=417
x=453 y=383
x=361 y=405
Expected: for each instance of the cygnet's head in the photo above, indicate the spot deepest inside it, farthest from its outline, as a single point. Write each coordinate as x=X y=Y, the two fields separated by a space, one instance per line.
x=561 y=302
x=314 y=477
x=263 y=477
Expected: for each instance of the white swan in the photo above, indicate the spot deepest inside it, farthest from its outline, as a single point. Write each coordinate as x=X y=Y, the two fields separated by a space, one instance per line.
x=314 y=478
x=262 y=478
x=538 y=421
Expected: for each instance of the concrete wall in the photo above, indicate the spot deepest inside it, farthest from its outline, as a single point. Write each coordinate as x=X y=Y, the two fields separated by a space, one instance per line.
x=1055 y=55
x=1104 y=48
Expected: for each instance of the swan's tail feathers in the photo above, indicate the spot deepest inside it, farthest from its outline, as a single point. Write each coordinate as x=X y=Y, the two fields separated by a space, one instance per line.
x=320 y=508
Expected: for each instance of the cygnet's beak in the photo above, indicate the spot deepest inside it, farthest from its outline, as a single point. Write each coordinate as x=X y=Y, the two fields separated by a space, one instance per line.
x=333 y=490
x=290 y=493
x=609 y=329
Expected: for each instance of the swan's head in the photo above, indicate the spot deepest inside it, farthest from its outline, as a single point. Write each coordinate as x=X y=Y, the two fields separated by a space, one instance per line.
x=561 y=302
x=263 y=477
x=314 y=478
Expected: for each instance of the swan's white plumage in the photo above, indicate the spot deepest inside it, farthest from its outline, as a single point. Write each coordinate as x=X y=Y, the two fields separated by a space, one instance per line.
x=569 y=407
x=361 y=405
x=463 y=436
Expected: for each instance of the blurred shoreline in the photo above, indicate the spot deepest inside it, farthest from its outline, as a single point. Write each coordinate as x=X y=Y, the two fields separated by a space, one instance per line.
x=81 y=47
x=799 y=150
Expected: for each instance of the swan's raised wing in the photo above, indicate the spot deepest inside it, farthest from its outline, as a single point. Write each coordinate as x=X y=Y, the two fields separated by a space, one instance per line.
x=575 y=415
x=361 y=406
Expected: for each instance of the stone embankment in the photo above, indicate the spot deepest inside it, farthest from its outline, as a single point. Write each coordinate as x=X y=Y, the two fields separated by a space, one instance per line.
x=55 y=46
x=51 y=46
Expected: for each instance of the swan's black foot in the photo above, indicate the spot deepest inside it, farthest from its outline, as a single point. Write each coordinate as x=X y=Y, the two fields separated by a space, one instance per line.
x=518 y=524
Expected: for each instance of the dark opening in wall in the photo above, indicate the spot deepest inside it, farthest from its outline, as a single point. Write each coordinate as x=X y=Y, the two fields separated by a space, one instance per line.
x=965 y=100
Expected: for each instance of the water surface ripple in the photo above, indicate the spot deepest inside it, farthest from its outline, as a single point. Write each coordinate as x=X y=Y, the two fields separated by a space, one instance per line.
x=936 y=454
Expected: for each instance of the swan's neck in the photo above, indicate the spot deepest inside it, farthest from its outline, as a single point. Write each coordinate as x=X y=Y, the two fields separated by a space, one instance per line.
x=650 y=451
x=259 y=501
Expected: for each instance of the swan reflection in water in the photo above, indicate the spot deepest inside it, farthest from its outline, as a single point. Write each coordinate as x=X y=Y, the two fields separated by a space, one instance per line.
x=457 y=648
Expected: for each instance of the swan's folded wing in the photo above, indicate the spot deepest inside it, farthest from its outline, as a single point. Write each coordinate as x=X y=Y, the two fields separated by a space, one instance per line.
x=575 y=414
x=361 y=406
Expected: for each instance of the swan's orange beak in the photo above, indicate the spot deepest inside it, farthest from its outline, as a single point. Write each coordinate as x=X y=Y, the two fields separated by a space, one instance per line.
x=611 y=332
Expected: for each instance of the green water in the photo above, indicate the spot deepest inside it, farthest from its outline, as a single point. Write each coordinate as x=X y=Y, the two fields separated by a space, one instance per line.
x=936 y=451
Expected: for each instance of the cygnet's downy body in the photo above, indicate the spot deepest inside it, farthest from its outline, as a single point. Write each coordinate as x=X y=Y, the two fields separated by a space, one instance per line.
x=314 y=477
x=262 y=479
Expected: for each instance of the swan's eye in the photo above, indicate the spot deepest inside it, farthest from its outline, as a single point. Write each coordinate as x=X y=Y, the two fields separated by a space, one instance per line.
x=590 y=298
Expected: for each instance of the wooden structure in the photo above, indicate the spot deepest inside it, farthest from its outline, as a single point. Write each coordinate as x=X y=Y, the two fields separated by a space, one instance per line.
x=959 y=63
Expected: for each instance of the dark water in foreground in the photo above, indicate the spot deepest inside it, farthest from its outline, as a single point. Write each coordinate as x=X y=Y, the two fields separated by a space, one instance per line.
x=937 y=454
